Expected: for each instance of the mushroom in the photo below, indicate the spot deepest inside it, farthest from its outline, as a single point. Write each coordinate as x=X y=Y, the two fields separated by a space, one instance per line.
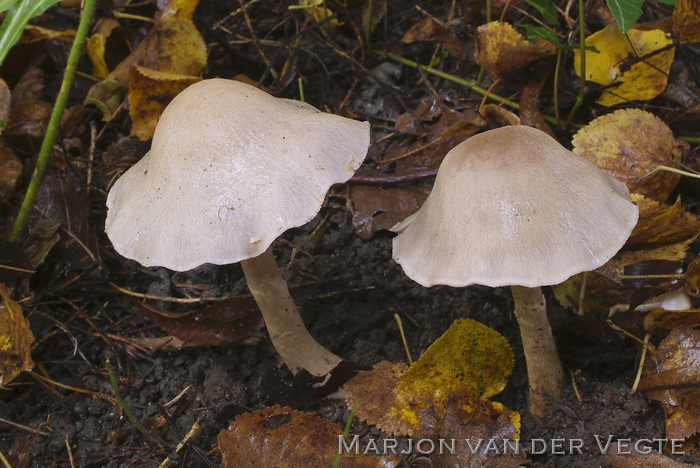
x=512 y=207
x=229 y=170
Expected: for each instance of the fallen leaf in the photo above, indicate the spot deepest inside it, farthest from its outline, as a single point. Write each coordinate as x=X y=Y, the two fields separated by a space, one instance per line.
x=686 y=20
x=376 y=208
x=469 y=360
x=630 y=143
x=278 y=437
x=692 y=278
x=672 y=377
x=15 y=339
x=10 y=170
x=173 y=46
x=430 y=29
x=614 y=459
x=5 y=100
x=232 y=321
x=500 y=49
x=177 y=8
x=95 y=46
x=317 y=10
x=659 y=223
x=150 y=91
x=666 y=320
x=633 y=63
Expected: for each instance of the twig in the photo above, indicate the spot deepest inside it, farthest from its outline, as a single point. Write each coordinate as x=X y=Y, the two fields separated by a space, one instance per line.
x=24 y=428
x=54 y=121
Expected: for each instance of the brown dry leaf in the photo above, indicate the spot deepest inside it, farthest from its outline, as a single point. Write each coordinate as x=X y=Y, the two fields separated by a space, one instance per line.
x=660 y=223
x=10 y=170
x=278 y=437
x=630 y=143
x=376 y=208
x=619 y=63
x=431 y=29
x=482 y=429
x=150 y=91
x=15 y=339
x=469 y=360
x=174 y=45
x=686 y=20
x=231 y=321
x=37 y=33
x=667 y=320
x=500 y=49
x=672 y=377
x=603 y=286
x=692 y=278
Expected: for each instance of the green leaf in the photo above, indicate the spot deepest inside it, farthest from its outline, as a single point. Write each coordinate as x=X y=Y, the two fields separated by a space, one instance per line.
x=626 y=12
x=546 y=8
x=17 y=18
x=540 y=32
x=7 y=4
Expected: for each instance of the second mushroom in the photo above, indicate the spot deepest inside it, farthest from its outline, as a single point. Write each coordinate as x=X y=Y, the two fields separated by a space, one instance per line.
x=512 y=207
x=230 y=169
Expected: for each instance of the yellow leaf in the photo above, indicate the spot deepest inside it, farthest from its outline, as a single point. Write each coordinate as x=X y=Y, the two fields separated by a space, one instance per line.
x=150 y=91
x=15 y=339
x=173 y=46
x=501 y=49
x=629 y=62
x=628 y=144
x=318 y=11
x=177 y=8
x=95 y=49
x=659 y=223
x=470 y=360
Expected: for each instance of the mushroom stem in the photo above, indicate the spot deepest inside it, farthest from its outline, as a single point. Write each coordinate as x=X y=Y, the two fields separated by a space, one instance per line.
x=544 y=369
x=298 y=349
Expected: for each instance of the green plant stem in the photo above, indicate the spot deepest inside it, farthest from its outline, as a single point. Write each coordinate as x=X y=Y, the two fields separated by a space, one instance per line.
x=582 y=47
x=122 y=404
x=54 y=121
x=555 y=91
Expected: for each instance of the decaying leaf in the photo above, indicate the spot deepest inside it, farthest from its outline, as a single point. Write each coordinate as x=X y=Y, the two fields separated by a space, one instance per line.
x=278 y=437
x=667 y=320
x=231 y=321
x=603 y=286
x=173 y=46
x=672 y=377
x=692 y=278
x=150 y=91
x=10 y=170
x=660 y=224
x=469 y=360
x=636 y=63
x=686 y=20
x=317 y=10
x=630 y=143
x=377 y=208
x=15 y=339
x=430 y=29
x=500 y=49
x=95 y=46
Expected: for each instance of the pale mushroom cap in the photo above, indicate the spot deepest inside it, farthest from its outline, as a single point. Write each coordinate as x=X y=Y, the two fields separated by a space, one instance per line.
x=230 y=168
x=512 y=206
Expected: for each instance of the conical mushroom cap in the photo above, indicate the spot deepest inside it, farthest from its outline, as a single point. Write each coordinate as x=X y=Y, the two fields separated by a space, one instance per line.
x=512 y=206
x=230 y=168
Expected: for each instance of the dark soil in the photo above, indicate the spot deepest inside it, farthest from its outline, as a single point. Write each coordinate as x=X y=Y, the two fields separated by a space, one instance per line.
x=349 y=291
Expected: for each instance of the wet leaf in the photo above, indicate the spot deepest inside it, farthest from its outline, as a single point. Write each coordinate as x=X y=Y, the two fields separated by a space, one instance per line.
x=232 y=321
x=377 y=208
x=660 y=223
x=619 y=63
x=173 y=46
x=630 y=143
x=686 y=20
x=469 y=360
x=430 y=29
x=150 y=91
x=500 y=49
x=604 y=288
x=278 y=437
x=15 y=339
x=672 y=377
x=667 y=320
